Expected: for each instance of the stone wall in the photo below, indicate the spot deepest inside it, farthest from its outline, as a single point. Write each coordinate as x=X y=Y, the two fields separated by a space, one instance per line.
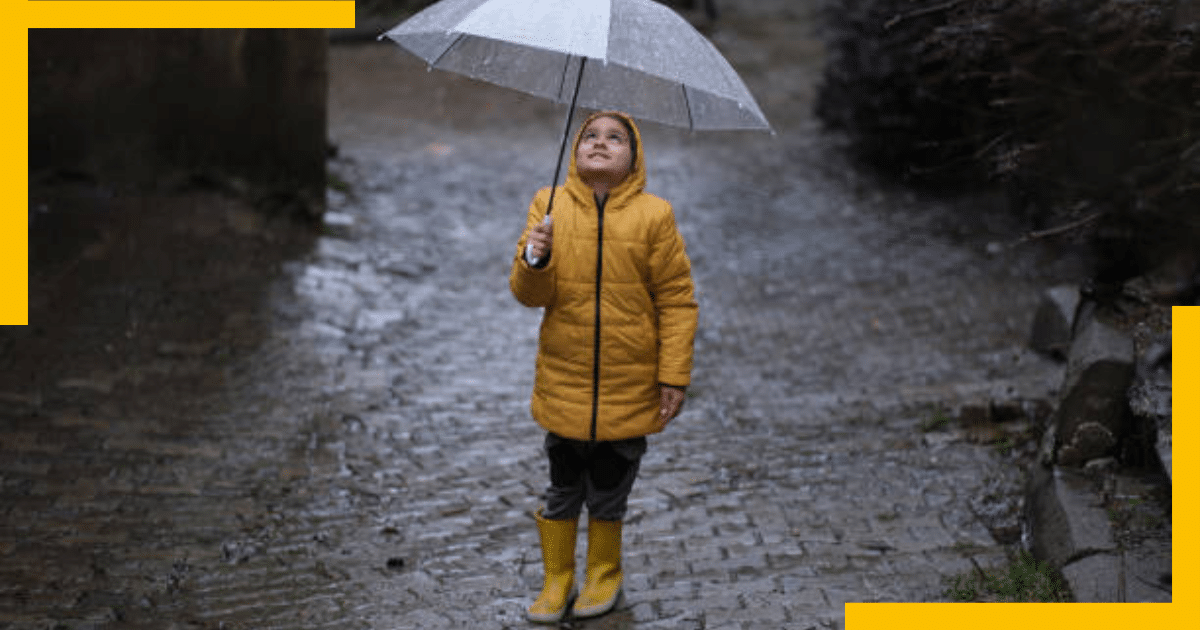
x=135 y=107
x=1115 y=399
x=1098 y=505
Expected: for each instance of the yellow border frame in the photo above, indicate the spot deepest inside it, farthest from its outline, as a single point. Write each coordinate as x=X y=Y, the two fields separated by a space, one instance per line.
x=339 y=14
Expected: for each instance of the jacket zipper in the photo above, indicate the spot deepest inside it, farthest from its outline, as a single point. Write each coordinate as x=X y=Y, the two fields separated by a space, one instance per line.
x=596 y=340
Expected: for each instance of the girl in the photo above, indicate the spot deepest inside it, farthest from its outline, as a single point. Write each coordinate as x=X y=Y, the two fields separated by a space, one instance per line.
x=614 y=353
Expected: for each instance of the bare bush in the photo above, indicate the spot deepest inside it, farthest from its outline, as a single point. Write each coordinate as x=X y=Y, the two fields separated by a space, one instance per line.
x=1087 y=110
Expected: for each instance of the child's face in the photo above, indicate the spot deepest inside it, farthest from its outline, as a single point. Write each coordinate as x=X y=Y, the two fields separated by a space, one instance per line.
x=605 y=151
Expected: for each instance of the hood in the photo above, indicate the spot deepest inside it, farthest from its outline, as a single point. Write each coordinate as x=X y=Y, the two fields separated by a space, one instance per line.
x=634 y=183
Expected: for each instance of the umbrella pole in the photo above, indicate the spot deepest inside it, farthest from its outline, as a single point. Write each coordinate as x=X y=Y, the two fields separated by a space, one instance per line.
x=562 y=149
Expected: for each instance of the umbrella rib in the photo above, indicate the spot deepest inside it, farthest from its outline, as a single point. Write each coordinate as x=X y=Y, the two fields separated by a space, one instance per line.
x=448 y=49
x=562 y=80
x=687 y=106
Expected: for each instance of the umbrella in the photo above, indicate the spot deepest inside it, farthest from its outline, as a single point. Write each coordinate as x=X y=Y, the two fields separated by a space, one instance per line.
x=636 y=56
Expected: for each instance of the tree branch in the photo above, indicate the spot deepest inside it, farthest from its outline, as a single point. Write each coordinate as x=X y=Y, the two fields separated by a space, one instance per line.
x=919 y=12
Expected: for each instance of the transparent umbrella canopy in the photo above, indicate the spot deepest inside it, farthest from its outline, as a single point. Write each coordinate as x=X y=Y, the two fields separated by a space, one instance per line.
x=636 y=56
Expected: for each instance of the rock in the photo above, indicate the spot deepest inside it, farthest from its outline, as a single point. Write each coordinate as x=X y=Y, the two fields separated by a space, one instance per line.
x=1120 y=577
x=1086 y=440
x=1053 y=321
x=1150 y=396
x=1163 y=447
x=1065 y=516
x=1096 y=578
x=1171 y=282
x=1045 y=453
x=1093 y=414
x=1148 y=574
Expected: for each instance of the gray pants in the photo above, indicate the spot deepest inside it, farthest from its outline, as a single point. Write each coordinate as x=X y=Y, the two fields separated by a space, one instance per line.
x=600 y=474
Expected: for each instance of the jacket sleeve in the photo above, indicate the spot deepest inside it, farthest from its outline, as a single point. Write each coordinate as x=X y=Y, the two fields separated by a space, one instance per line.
x=532 y=286
x=674 y=300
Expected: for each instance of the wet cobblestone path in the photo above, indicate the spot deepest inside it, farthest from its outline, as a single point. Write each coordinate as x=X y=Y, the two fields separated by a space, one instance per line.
x=340 y=438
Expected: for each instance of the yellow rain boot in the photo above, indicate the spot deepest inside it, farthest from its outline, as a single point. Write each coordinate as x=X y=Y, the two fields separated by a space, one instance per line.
x=558 y=558
x=602 y=585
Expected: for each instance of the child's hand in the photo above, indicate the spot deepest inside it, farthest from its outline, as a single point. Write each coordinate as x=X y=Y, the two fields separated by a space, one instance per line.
x=541 y=239
x=672 y=404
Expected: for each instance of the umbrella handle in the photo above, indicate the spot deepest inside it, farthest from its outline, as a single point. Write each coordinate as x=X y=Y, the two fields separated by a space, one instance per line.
x=534 y=260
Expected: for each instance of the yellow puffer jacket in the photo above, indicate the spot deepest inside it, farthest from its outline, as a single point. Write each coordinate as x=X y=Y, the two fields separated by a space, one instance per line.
x=599 y=369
